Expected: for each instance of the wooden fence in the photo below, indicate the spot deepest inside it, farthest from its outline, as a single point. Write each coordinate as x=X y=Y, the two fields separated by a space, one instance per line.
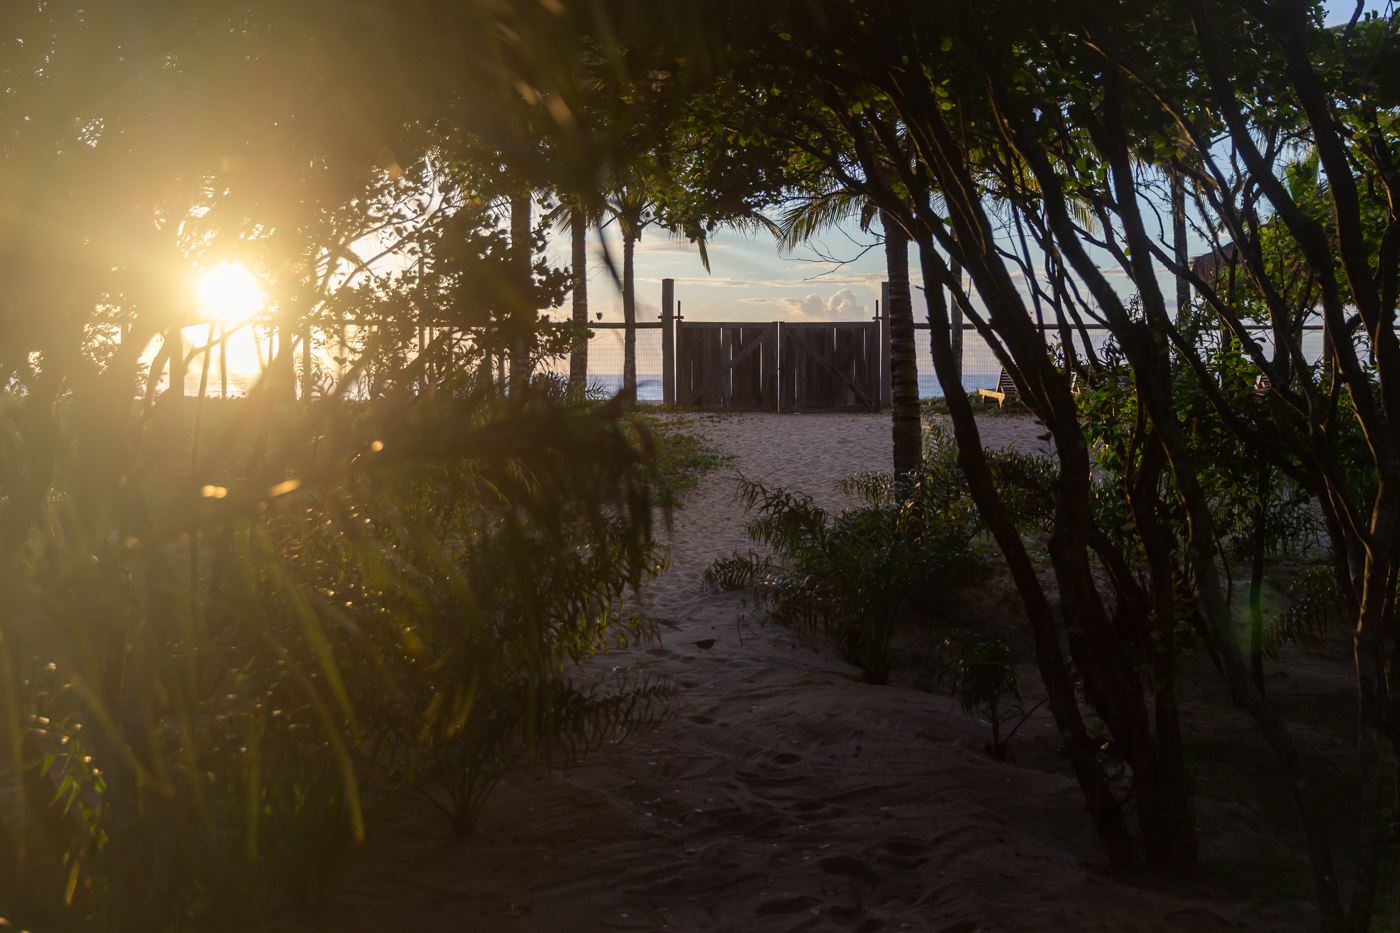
x=717 y=365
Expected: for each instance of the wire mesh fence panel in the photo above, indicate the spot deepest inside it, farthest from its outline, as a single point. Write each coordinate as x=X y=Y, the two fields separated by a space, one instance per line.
x=360 y=361
x=1312 y=341
x=980 y=366
x=350 y=359
x=605 y=357
x=224 y=362
x=1089 y=343
x=606 y=353
x=336 y=357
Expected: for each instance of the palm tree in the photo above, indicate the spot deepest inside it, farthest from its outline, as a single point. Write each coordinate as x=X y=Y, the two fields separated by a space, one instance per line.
x=574 y=215
x=906 y=427
x=631 y=206
x=578 y=234
x=523 y=249
x=825 y=209
x=645 y=200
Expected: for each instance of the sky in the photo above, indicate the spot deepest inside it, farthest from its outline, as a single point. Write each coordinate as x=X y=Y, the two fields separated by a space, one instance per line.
x=748 y=278
x=750 y=281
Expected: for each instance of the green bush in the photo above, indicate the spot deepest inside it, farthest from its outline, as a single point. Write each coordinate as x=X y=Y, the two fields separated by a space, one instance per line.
x=850 y=575
x=979 y=671
x=230 y=634
x=737 y=572
x=1314 y=605
x=1261 y=513
x=680 y=458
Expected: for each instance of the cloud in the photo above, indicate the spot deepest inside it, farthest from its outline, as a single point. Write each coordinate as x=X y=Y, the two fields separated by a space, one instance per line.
x=708 y=281
x=870 y=280
x=840 y=305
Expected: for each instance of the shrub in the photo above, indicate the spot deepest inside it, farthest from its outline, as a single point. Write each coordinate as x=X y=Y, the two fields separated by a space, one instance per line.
x=1314 y=605
x=850 y=575
x=238 y=633
x=979 y=670
x=737 y=572
x=679 y=457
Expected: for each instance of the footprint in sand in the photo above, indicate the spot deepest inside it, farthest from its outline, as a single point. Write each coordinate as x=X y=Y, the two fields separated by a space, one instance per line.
x=961 y=926
x=818 y=808
x=756 y=779
x=903 y=853
x=849 y=914
x=785 y=905
x=849 y=867
x=905 y=847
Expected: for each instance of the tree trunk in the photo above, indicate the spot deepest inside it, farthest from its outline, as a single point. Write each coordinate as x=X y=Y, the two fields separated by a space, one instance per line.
x=956 y=319
x=1170 y=831
x=629 y=317
x=1256 y=582
x=522 y=314
x=1111 y=670
x=578 y=358
x=1083 y=750
x=284 y=363
x=1142 y=347
x=178 y=368
x=904 y=373
x=1180 y=251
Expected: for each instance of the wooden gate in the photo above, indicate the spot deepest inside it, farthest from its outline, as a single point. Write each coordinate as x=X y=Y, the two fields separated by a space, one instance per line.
x=831 y=366
x=728 y=366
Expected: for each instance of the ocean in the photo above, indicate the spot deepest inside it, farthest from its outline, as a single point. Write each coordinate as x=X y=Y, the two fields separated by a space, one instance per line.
x=603 y=384
x=649 y=384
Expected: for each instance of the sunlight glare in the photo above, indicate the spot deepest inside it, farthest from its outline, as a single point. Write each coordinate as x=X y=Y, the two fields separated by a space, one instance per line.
x=229 y=294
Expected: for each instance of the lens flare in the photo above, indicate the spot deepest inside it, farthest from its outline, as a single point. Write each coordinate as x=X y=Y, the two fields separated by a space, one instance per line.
x=229 y=294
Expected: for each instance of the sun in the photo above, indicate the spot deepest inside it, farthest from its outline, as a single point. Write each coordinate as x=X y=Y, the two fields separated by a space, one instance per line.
x=229 y=294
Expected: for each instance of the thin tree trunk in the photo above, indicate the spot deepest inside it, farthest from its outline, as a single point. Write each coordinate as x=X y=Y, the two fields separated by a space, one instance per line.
x=1172 y=834
x=956 y=318
x=178 y=369
x=578 y=358
x=284 y=362
x=522 y=313
x=486 y=370
x=906 y=430
x=629 y=318
x=1111 y=675
x=1256 y=584
x=1083 y=751
x=1141 y=348
x=1329 y=368
x=1179 y=248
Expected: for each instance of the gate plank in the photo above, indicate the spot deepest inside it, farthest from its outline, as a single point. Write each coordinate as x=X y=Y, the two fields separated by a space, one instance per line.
x=768 y=396
x=831 y=367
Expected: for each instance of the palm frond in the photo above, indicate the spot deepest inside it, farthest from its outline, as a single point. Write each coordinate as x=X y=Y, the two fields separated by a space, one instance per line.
x=814 y=214
x=754 y=222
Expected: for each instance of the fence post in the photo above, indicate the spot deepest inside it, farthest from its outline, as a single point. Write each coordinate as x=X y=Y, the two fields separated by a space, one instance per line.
x=882 y=314
x=668 y=341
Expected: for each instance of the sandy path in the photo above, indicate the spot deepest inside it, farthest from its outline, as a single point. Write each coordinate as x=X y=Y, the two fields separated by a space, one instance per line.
x=785 y=794
x=809 y=453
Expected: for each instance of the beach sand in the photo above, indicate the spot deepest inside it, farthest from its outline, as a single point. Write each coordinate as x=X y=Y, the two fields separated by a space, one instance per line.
x=784 y=793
